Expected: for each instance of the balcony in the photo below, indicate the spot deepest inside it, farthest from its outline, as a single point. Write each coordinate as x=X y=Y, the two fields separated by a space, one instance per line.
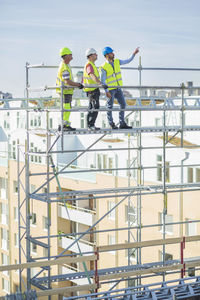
x=77 y=214
x=84 y=246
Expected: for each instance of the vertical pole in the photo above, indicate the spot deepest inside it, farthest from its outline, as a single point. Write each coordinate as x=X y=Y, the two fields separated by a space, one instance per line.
x=48 y=135
x=61 y=109
x=116 y=211
x=139 y=175
x=129 y=204
x=164 y=186
x=181 y=199
x=27 y=81
x=182 y=259
x=182 y=112
x=27 y=184
x=96 y=269
x=19 y=217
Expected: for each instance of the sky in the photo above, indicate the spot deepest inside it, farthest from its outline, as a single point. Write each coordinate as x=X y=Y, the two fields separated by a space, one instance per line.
x=167 y=32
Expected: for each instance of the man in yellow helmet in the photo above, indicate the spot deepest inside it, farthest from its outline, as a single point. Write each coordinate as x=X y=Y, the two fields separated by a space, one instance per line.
x=111 y=75
x=91 y=77
x=65 y=77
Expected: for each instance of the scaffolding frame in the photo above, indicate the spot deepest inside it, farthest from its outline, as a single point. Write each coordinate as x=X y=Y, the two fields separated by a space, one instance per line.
x=116 y=193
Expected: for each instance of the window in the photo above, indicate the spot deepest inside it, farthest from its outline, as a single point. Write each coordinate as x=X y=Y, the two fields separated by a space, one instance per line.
x=160 y=169
x=16 y=239
x=4 y=213
x=82 y=120
x=167 y=171
x=50 y=123
x=45 y=223
x=33 y=219
x=33 y=248
x=197 y=175
x=104 y=161
x=6 y=285
x=4 y=188
x=15 y=187
x=111 y=215
x=110 y=165
x=99 y=161
x=16 y=214
x=190 y=175
x=190 y=228
x=5 y=261
x=4 y=239
x=39 y=121
x=131 y=215
x=13 y=151
x=168 y=219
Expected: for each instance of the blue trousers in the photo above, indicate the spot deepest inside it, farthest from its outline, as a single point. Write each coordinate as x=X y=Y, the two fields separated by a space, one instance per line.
x=116 y=94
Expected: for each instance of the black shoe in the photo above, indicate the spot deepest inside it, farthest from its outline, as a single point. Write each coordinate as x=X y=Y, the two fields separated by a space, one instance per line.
x=125 y=126
x=66 y=128
x=92 y=127
x=113 y=126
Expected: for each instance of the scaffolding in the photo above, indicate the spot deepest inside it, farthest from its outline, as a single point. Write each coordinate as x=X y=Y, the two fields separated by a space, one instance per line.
x=95 y=278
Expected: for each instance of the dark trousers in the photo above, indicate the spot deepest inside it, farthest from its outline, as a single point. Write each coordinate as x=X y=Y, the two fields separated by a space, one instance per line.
x=93 y=104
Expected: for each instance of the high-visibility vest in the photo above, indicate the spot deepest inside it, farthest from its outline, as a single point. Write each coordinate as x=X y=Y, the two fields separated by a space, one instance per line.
x=114 y=77
x=64 y=67
x=87 y=80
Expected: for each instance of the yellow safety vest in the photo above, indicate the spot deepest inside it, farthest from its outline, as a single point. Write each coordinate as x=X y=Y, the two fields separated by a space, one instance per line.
x=87 y=80
x=64 y=67
x=114 y=77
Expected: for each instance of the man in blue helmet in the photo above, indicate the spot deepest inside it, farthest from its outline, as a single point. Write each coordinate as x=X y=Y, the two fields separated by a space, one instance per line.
x=111 y=76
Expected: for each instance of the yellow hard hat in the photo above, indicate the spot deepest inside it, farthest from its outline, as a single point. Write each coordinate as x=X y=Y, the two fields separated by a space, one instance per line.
x=65 y=51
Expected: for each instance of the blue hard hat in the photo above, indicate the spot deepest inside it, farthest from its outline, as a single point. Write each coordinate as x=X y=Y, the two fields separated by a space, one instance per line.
x=107 y=50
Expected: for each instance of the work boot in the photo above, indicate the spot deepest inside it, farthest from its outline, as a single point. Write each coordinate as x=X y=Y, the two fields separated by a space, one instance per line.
x=66 y=128
x=124 y=126
x=113 y=126
x=93 y=127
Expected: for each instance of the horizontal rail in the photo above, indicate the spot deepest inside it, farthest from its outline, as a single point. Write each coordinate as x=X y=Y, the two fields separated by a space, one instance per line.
x=42 y=65
x=137 y=87
x=63 y=290
x=59 y=261
x=148 y=243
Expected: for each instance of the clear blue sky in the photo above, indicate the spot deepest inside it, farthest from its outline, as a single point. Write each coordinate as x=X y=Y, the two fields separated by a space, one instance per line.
x=167 y=32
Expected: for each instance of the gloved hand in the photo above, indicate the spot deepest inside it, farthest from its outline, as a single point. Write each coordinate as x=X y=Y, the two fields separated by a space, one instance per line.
x=81 y=86
x=104 y=86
